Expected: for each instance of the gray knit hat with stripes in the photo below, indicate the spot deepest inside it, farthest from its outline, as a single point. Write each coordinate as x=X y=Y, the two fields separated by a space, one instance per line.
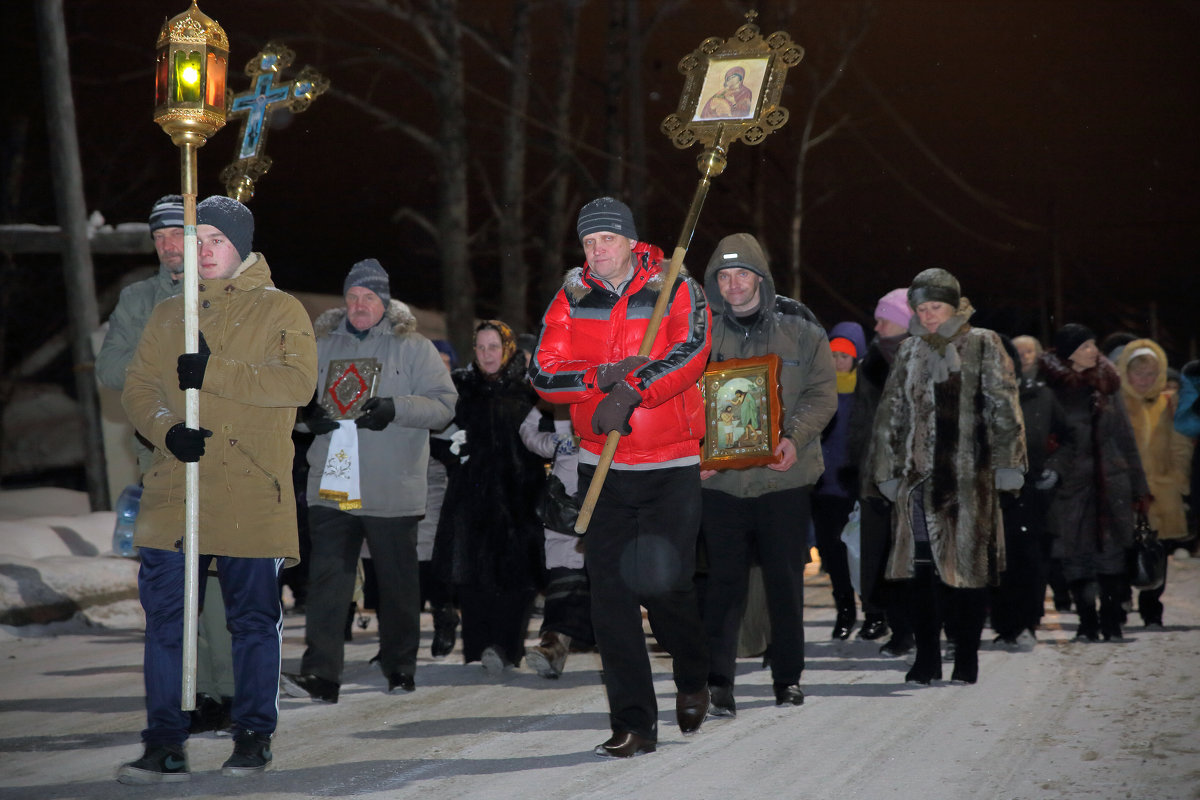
x=606 y=214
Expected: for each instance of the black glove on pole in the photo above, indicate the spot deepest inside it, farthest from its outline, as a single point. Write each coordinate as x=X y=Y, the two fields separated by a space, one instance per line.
x=191 y=366
x=186 y=444
x=607 y=375
x=615 y=409
x=377 y=413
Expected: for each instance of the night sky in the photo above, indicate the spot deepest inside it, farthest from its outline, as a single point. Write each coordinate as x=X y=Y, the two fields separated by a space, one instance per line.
x=989 y=137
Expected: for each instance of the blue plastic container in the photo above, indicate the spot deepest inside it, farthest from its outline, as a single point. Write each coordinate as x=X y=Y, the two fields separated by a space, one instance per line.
x=127 y=510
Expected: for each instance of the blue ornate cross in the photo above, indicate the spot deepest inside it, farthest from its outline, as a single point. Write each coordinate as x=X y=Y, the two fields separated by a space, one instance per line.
x=256 y=106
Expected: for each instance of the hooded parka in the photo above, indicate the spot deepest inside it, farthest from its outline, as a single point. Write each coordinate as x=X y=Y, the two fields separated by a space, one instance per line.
x=1166 y=454
x=808 y=381
x=262 y=368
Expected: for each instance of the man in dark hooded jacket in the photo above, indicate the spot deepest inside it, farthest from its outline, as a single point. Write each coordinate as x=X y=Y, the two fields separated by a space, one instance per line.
x=765 y=509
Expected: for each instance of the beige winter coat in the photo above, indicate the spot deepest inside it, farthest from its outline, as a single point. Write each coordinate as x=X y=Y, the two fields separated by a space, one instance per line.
x=263 y=366
x=1166 y=454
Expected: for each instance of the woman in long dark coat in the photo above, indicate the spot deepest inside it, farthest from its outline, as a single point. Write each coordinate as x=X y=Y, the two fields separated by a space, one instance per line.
x=489 y=543
x=1101 y=481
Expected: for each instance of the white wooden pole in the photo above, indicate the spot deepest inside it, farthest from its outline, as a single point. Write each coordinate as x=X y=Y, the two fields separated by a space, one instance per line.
x=191 y=344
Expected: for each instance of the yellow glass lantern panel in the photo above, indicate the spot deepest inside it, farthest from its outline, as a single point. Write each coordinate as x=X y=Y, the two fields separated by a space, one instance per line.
x=189 y=74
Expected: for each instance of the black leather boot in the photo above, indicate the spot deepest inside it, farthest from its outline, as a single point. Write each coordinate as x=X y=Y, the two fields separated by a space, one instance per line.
x=1083 y=593
x=1111 y=588
x=846 y=617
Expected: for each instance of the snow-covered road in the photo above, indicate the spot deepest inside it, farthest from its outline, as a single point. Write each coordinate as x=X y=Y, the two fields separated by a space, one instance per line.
x=1067 y=720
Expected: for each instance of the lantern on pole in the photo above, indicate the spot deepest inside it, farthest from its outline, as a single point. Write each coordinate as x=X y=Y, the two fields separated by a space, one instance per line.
x=189 y=105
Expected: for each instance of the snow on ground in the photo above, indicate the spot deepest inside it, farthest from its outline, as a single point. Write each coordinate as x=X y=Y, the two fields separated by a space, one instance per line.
x=1066 y=720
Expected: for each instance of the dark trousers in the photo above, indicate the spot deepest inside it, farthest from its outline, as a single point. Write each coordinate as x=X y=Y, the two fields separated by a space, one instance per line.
x=337 y=539
x=568 y=607
x=641 y=551
x=1018 y=602
x=434 y=590
x=250 y=589
x=492 y=618
x=773 y=525
x=829 y=514
x=875 y=540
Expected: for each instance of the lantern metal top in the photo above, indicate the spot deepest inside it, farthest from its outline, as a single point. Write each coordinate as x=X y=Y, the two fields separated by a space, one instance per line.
x=193 y=56
x=193 y=27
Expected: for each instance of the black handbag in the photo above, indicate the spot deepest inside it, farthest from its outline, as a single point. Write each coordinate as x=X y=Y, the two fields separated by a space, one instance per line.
x=1148 y=563
x=557 y=510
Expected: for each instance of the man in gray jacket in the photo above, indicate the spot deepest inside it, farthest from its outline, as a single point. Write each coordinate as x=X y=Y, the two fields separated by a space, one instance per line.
x=139 y=299
x=412 y=395
x=763 y=509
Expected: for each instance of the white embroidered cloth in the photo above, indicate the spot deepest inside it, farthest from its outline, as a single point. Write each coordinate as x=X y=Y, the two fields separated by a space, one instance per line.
x=339 y=481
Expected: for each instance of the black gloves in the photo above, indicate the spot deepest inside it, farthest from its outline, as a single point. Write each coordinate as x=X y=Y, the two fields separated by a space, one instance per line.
x=607 y=375
x=191 y=367
x=615 y=409
x=377 y=413
x=187 y=444
x=317 y=418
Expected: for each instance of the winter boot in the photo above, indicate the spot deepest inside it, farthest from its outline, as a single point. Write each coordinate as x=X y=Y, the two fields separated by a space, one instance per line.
x=445 y=630
x=549 y=657
x=1110 y=607
x=967 y=608
x=1083 y=593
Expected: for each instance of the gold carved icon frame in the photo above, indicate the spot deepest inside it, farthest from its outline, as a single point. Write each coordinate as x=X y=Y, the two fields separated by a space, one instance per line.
x=743 y=412
x=732 y=89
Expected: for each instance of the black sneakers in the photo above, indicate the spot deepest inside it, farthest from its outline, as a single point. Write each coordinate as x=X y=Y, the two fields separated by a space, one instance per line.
x=307 y=685
x=251 y=754
x=161 y=763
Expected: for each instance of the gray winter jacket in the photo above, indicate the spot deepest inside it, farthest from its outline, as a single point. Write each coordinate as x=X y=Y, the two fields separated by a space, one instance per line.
x=126 y=323
x=392 y=462
x=808 y=380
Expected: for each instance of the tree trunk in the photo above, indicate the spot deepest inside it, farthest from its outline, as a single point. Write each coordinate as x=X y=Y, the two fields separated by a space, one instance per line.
x=635 y=103
x=514 y=271
x=559 y=211
x=458 y=285
x=72 y=216
x=616 y=72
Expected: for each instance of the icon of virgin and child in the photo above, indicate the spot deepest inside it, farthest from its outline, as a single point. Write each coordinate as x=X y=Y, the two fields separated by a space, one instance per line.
x=734 y=100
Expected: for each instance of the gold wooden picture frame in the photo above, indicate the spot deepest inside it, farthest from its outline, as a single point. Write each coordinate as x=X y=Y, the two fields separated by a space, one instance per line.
x=732 y=89
x=743 y=412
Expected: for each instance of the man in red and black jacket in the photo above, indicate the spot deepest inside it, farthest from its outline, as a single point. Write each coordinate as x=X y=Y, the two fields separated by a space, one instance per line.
x=641 y=541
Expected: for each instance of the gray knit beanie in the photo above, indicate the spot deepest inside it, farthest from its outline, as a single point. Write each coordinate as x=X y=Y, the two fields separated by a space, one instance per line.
x=231 y=218
x=934 y=284
x=167 y=212
x=369 y=275
x=606 y=214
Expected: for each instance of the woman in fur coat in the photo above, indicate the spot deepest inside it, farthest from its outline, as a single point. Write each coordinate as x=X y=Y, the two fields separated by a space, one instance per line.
x=948 y=439
x=1100 y=480
x=489 y=543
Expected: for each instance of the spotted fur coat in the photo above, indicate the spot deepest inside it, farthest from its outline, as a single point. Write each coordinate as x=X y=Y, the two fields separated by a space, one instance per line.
x=947 y=440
